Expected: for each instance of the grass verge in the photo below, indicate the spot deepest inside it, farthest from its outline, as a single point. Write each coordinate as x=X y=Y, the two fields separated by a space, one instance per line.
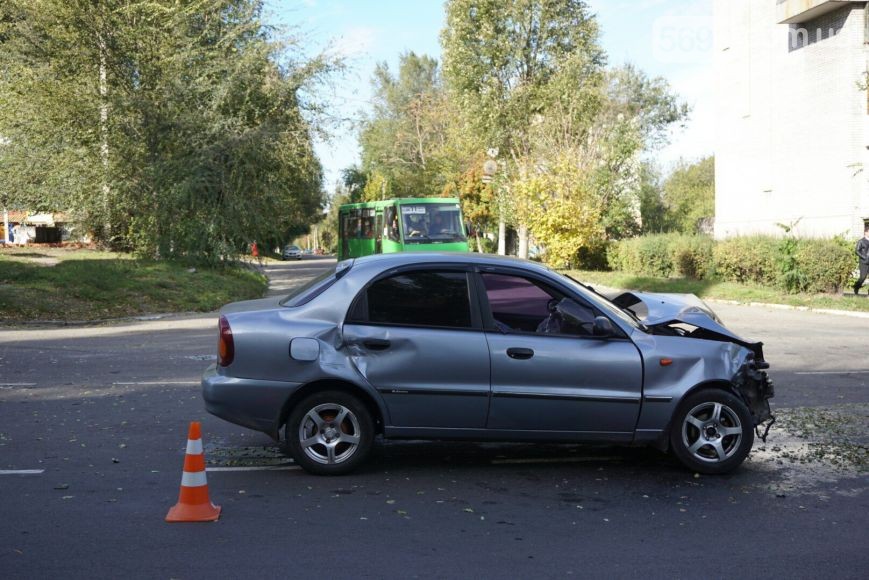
x=49 y=284
x=722 y=290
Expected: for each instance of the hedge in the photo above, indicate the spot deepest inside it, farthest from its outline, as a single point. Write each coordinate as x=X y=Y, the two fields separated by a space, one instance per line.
x=663 y=255
x=794 y=265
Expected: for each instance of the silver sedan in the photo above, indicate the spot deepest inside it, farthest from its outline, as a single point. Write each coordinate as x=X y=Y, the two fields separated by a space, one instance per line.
x=476 y=347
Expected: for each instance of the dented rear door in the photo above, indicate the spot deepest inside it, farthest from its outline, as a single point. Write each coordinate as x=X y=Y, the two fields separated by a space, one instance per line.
x=414 y=337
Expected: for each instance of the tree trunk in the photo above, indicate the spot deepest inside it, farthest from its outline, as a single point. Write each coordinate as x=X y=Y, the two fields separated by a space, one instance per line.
x=104 y=141
x=502 y=236
x=523 y=242
x=479 y=244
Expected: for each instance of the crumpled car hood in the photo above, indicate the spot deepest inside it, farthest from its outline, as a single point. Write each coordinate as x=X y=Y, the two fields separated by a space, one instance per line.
x=666 y=309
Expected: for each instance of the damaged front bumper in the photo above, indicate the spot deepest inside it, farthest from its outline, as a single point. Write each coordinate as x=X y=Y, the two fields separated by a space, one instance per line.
x=755 y=388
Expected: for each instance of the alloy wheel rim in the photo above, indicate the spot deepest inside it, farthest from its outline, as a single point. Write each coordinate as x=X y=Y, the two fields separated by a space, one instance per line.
x=329 y=433
x=712 y=432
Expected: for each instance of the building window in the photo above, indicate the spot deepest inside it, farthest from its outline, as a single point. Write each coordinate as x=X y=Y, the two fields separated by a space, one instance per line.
x=818 y=29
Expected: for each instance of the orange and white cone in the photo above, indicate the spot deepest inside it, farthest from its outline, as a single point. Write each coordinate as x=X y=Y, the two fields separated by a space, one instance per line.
x=193 y=503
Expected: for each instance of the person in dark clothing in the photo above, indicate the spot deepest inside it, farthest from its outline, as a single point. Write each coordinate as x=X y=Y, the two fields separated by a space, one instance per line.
x=863 y=258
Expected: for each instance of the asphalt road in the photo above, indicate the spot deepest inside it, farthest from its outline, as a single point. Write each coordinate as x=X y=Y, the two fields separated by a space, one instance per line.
x=103 y=412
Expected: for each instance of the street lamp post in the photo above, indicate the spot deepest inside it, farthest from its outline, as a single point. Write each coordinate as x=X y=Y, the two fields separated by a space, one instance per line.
x=490 y=169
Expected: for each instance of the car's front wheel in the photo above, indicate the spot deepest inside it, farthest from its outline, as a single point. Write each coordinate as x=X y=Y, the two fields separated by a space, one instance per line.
x=330 y=433
x=712 y=431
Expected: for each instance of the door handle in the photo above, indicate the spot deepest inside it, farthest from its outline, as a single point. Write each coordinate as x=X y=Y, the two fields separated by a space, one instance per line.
x=520 y=353
x=376 y=344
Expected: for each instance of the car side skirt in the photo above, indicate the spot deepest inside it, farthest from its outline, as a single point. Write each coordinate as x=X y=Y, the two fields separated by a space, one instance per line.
x=392 y=432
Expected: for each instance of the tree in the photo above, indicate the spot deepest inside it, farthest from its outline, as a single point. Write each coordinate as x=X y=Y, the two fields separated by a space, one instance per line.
x=564 y=212
x=689 y=194
x=172 y=129
x=401 y=141
x=354 y=181
x=653 y=211
x=476 y=198
x=509 y=63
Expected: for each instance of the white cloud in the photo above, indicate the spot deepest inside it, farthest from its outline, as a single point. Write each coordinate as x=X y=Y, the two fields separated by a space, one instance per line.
x=355 y=41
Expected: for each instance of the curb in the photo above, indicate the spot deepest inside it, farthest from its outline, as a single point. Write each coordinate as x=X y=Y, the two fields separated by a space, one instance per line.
x=848 y=313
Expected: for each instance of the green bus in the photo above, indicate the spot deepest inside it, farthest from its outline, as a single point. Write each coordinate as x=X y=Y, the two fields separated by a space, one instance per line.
x=401 y=225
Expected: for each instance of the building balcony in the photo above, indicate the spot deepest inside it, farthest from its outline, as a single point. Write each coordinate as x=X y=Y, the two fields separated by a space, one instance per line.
x=799 y=11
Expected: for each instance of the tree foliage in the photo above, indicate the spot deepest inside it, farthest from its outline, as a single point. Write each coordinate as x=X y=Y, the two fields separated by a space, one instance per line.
x=402 y=139
x=507 y=62
x=689 y=194
x=172 y=129
x=562 y=209
x=529 y=80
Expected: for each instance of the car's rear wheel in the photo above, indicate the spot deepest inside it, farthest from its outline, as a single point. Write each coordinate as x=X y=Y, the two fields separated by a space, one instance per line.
x=712 y=432
x=330 y=433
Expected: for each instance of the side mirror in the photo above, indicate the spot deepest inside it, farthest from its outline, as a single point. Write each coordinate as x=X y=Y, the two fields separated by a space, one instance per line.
x=603 y=327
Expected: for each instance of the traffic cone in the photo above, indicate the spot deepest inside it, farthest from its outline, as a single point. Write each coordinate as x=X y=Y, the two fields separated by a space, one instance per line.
x=193 y=503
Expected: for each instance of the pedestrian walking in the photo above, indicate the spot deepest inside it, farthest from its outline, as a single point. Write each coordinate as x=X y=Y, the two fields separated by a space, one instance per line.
x=863 y=259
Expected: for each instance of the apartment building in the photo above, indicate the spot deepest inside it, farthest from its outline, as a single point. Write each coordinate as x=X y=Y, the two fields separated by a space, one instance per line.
x=792 y=141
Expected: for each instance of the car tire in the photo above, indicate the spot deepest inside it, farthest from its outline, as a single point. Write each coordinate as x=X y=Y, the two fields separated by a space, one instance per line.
x=330 y=433
x=712 y=431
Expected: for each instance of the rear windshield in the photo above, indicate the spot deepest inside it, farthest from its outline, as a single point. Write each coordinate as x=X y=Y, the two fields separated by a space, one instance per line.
x=313 y=288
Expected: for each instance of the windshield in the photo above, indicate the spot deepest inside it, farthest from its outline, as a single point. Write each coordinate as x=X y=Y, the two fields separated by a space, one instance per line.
x=604 y=303
x=432 y=223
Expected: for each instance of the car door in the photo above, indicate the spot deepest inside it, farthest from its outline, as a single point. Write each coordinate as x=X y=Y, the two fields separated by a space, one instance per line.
x=417 y=338
x=548 y=375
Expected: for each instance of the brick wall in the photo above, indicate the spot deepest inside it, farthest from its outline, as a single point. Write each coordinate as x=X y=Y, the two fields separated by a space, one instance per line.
x=792 y=121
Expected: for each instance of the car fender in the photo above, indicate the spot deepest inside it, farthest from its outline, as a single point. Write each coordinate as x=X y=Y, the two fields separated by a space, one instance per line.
x=674 y=366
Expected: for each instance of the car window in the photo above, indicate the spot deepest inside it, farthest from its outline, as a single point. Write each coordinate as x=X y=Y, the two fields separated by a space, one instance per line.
x=419 y=298
x=307 y=292
x=519 y=304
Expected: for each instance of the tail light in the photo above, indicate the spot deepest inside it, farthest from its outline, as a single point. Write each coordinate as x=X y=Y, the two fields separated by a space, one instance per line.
x=225 y=346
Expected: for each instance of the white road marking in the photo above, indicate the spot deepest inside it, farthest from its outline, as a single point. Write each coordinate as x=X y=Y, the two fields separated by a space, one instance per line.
x=832 y=373
x=160 y=383
x=21 y=471
x=555 y=460
x=256 y=468
x=17 y=384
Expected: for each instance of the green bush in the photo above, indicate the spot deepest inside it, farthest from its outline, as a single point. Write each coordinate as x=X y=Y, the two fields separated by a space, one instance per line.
x=592 y=258
x=663 y=255
x=790 y=264
x=654 y=255
x=616 y=256
x=750 y=259
x=693 y=256
x=826 y=265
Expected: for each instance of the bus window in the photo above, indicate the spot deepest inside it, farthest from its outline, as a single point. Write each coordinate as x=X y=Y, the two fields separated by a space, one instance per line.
x=356 y=223
x=345 y=226
x=367 y=221
x=391 y=219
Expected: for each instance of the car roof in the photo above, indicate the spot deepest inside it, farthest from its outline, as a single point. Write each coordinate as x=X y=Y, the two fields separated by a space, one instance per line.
x=399 y=259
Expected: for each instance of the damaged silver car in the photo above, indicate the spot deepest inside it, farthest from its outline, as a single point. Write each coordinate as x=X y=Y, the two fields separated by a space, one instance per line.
x=476 y=347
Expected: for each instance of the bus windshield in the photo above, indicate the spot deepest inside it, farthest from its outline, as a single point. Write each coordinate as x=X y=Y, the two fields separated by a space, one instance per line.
x=432 y=223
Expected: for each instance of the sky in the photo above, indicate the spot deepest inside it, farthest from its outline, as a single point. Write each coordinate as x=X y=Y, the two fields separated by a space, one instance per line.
x=667 y=38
